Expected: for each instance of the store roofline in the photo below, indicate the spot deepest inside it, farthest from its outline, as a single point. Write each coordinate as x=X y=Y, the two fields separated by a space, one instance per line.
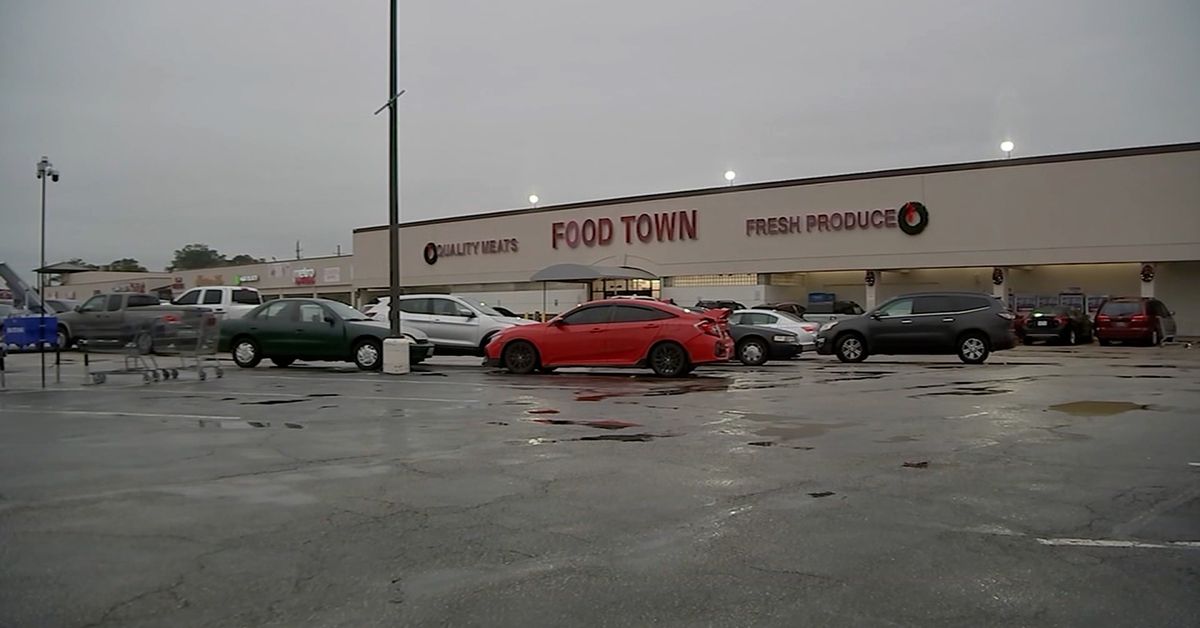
x=1111 y=153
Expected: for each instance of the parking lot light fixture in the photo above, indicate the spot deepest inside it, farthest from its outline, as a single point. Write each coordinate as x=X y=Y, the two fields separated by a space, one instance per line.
x=1007 y=147
x=730 y=176
x=533 y=199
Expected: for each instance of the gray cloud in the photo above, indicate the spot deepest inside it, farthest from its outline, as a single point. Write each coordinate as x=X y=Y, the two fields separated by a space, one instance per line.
x=247 y=124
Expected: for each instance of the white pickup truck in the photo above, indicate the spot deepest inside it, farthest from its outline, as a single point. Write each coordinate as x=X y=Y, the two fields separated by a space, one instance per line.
x=226 y=301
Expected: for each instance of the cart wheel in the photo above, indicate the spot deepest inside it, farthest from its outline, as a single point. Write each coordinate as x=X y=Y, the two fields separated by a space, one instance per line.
x=203 y=375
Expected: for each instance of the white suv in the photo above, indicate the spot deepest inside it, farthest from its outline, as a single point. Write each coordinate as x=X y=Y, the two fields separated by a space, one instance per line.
x=455 y=326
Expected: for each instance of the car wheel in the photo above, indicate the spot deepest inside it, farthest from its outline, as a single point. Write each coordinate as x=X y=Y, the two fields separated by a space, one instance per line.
x=1155 y=338
x=520 y=357
x=1105 y=342
x=282 y=362
x=144 y=343
x=547 y=369
x=752 y=352
x=245 y=353
x=1027 y=340
x=368 y=354
x=973 y=349
x=668 y=360
x=1072 y=337
x=851 y=348
x=63 y=338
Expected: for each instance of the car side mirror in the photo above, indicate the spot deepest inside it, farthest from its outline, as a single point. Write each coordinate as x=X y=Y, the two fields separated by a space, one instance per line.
x=330 y=320
x=1171 y=313
x=875 y=316
x=77 y=308
x=467 y=313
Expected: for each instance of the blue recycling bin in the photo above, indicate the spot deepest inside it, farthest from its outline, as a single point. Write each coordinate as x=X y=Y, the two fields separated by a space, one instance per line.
x=27 y=332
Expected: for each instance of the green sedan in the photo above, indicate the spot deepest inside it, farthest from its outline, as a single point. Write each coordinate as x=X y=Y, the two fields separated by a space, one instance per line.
x=286 y=330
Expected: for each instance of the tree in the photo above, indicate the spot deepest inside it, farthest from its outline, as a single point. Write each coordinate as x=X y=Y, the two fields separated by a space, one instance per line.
x=80 y=262
x=126 y=264
x=195 y=256
x=240 y=260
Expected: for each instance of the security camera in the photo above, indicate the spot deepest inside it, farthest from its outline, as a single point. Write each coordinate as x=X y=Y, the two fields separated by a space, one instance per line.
x=54 y=176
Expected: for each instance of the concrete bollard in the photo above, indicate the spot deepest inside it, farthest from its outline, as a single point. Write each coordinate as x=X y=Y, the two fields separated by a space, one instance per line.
x=395 y=356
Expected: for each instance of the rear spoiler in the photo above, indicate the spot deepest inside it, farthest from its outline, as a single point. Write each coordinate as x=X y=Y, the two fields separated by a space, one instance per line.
x=719 y=313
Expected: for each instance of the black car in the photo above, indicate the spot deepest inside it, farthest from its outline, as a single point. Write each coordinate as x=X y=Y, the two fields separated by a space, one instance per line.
x=968 y=324
x=1059 y=323
x=754 y=345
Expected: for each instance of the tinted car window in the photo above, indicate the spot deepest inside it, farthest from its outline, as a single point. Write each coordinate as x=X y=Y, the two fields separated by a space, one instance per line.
x=416 y=306
x=633 y=313
x=243 y=296
x=758 y=319
x=962 y=303
x=212 y=297
x=589 y=315
x=1121 y=308
x=277 y=310
x=1160 y=309
x=114 y=303
x=820 y=308
x=899 y=307
x=141 y=300
x=932 y=305
x=444 y=307
x=191 y=297
x=847 y=307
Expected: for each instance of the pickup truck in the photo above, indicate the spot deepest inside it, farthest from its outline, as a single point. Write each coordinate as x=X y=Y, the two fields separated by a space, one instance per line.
x=225 y=301
x=124 y=318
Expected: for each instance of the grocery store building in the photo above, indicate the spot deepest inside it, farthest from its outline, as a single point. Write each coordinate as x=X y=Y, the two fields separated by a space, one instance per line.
x=1072 y=228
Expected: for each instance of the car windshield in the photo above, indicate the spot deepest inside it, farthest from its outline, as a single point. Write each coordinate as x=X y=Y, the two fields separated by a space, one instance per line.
x=345 y=312
x=789 y=316
x=487 y=309
x=1049 y=311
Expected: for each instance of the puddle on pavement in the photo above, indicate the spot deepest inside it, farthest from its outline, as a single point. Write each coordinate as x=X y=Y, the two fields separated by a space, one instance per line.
x=497 y=423
x=324 y=395
x=626 y=438
x=761 y=443
x=1146 y=376
x=326 y=407
x=258 y=424
x=820 y=494
x=293 y=426
x=432 y=374
x=541 y=411
x=792 y=432
x=1098 y=408
x=692 y=385
x=228 y=398
x=969 y=391
x=605 y=424
x=272 y=402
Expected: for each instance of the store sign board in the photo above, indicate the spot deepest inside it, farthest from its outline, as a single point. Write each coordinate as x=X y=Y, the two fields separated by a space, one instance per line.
x=332 y=275
x=911 y=218
x=304 y=276
x=241 y=279
x=644 y=228
x=434 y=251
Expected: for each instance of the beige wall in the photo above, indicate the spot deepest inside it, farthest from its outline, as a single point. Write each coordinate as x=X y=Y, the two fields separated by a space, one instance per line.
x=1178 y=286
x=1124 y=209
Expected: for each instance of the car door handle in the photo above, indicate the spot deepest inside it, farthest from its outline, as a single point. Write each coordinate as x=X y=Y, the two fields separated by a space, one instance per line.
x=948 y=319
x=650 y=326
x=906 y=321
x=595 y=331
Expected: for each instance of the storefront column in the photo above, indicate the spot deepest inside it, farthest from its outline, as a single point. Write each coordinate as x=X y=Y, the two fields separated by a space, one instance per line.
x=871 y=279
x=1147 y=280
x=1000 y=283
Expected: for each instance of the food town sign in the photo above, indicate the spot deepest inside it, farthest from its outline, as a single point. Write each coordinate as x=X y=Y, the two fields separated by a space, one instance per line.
x=645 y=228
x=911 y=218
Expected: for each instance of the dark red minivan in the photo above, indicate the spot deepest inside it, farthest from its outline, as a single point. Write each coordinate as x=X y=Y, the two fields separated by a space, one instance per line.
x=1134 y=319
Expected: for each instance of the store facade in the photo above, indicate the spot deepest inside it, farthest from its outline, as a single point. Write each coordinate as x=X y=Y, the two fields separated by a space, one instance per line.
x=1072 y=228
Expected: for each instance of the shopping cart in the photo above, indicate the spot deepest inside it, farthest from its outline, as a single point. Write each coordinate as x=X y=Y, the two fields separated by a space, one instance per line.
x=157 y=347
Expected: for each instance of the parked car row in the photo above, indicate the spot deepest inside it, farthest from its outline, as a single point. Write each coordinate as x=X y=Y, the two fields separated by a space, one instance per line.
x=1139 y=320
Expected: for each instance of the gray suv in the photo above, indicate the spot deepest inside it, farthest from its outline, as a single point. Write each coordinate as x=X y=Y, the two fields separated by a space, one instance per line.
x=968 y=324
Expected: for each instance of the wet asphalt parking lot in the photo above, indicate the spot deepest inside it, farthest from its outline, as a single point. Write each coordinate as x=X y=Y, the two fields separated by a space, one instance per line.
x=1050 y=487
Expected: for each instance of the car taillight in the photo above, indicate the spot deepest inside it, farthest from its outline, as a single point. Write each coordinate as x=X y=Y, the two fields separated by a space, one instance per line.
x=809 y=328
x=1006 y=315
x=1138 y=318
x=709 y=327
x=1102 y=318
x=1062 y=320
x=170 y=318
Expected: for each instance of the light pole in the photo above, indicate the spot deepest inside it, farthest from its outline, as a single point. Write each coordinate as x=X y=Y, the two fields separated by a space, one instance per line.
x=393 y=186
x=730 y=176
x=1007 y=146
x=45 y=170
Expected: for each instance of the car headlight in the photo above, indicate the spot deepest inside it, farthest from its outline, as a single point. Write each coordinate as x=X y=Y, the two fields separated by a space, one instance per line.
x=828 y=326
x=783 y=338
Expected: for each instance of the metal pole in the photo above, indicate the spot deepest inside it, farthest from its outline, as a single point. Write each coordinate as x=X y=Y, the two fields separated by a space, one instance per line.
x=41 y=288
x=393 y=189
x=543 y=302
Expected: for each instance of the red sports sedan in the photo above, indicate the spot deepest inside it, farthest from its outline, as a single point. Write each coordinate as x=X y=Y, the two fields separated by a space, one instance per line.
x=615 y=332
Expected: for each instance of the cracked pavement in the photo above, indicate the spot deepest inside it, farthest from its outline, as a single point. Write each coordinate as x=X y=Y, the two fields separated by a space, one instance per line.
x=773 y=496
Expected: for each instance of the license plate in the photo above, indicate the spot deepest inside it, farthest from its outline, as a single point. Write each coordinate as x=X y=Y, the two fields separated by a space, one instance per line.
x=1043 y=323
x=1119 y=324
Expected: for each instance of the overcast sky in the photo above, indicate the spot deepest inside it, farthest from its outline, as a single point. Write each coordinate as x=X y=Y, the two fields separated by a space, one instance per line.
x=246 y=124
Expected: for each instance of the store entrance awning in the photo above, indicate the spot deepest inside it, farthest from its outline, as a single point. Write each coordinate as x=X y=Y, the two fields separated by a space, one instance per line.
x=576 y=273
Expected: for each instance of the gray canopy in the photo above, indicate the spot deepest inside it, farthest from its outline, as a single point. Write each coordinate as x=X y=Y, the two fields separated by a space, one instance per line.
x=583 y=272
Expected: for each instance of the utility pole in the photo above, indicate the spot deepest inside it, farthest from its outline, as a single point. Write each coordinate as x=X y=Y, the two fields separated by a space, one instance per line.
x=297 y=249
x=393 y=188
